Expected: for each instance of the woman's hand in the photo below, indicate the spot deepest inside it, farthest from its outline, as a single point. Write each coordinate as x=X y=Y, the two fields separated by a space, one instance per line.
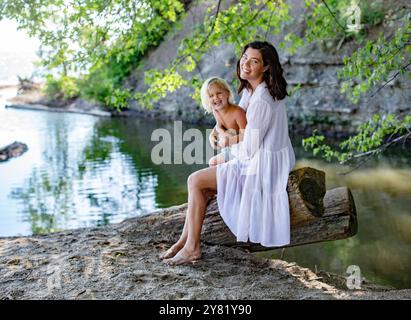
x=223 y=140
x=213 y=139
x=228 y=138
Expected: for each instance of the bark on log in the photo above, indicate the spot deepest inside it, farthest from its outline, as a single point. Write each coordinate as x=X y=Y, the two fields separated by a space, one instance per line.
x=15 y=149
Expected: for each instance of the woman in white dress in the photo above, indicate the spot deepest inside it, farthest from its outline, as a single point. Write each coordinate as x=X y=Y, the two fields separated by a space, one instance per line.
x=251 y=188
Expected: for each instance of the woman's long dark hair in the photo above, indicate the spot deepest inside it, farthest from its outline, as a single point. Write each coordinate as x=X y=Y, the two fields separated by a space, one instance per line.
x=273 y=76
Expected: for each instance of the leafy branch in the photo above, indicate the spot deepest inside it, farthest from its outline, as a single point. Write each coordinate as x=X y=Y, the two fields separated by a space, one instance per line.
x=215 y=29
x=372 y=138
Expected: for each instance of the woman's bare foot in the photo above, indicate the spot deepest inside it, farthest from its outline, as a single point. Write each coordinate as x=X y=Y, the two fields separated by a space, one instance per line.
x=171 y=252
x=183 y=256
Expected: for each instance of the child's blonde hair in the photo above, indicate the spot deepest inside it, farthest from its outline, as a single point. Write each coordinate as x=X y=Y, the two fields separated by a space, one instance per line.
x=205 y=99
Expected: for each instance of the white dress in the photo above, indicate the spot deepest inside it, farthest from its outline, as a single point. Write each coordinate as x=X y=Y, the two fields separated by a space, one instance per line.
x=251 y=188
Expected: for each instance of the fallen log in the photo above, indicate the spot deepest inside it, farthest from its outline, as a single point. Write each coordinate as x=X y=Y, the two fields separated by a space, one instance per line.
x=312 y=217
x=15 y=149
x=339 y=221
x=26 y=84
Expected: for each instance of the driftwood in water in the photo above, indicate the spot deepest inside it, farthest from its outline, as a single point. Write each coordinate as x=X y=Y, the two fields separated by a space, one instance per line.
x=26 y=84
x=15 y=149
x=313 y=218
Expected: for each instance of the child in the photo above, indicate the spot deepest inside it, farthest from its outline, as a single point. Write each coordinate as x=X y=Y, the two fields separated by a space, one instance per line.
x=217 y=97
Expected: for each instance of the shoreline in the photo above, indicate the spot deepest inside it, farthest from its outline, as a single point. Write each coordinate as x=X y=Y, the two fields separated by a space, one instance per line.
x=33 y=100
x=42 y=107
x=120 y=261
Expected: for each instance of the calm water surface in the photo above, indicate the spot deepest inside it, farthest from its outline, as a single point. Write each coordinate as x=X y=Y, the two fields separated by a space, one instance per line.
x=83 y=171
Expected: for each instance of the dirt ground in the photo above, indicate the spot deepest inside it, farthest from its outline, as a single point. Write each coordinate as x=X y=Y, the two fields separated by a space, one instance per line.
x=120 y=261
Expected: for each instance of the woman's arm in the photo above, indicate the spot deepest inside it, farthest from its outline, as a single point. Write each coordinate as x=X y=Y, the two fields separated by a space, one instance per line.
x=241 y=120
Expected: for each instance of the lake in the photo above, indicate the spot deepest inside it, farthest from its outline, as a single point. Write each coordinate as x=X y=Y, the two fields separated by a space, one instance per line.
x=86 y=171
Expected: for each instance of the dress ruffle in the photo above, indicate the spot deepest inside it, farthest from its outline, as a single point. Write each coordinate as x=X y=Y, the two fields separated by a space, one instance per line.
x=252 y=196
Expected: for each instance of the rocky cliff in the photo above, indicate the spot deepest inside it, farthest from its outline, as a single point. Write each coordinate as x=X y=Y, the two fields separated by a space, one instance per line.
x=314 y=68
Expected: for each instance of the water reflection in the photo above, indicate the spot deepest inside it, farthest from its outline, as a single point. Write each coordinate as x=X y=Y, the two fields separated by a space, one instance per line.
x=82 y=180
x=381 y=248
x=91 y=172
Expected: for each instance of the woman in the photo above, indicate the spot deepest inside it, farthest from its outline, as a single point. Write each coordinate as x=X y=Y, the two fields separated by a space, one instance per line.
x=251 y=188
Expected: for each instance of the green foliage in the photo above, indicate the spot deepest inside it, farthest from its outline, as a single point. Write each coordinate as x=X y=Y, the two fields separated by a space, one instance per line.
x=98 y=41
x=101 y=42
x=64 y=87
x=334 y=19
x=372 y=12
x=118 y=99
x=161 y=83
x=105 y=78
x=377 y=61
x=240 y=23
x=372 y=137
x=326 y=21
x=323 y=25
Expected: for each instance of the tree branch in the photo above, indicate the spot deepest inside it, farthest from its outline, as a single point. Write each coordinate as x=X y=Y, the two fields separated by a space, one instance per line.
x=268 y=27
x=380 y=149
x=333 y=15
x=213 y=25
x=388 y=81
x=179 y=59
x=256 y=14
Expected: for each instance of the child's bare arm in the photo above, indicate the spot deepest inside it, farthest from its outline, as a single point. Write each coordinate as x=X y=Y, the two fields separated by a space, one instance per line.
x=231 y=136
x=219 y=128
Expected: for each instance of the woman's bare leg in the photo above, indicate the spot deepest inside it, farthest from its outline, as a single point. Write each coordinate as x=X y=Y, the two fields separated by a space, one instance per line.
x=198 y=183
x=175 y=248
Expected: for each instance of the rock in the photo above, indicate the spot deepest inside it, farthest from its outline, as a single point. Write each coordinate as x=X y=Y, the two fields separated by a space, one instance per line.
x=13 y=150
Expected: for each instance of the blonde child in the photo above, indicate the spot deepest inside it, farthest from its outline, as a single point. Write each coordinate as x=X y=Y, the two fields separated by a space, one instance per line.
x=217 y=97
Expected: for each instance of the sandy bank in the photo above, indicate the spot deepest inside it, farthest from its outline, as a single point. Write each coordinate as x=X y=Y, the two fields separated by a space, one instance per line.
x=120 y=261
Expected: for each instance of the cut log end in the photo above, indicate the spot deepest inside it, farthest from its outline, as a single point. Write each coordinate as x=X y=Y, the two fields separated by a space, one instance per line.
x=306 y=190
